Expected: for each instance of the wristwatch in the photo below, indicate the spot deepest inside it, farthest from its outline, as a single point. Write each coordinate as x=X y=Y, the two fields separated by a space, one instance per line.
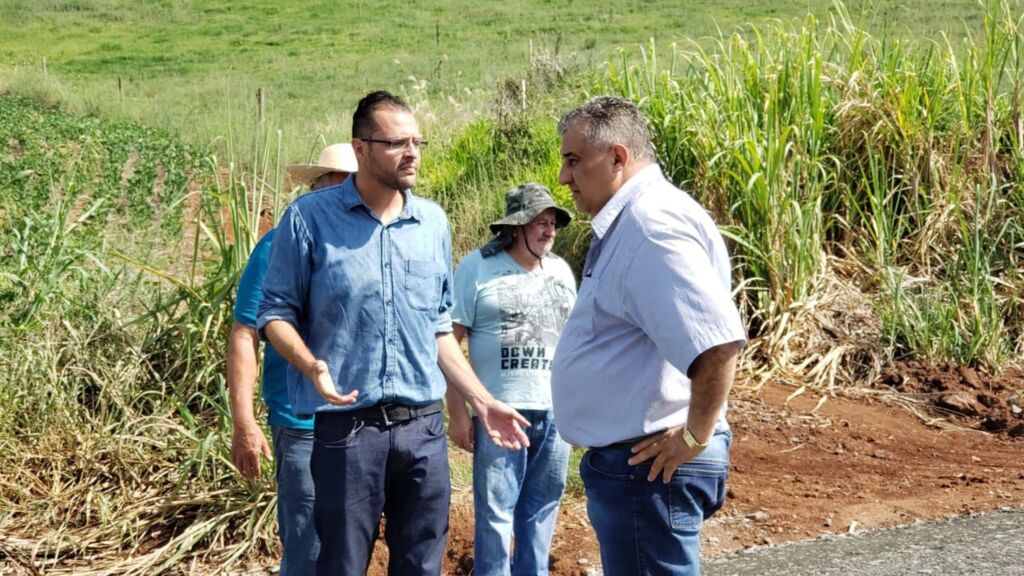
x=692 y=442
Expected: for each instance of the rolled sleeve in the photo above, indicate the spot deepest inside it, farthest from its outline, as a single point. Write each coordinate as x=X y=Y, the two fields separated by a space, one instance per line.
x=286 y=285
x=674 y=294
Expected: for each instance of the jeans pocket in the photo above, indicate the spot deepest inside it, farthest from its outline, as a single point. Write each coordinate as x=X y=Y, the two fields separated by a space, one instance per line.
x=606 y=464
x=694 y=494
x=433 y=424
x=338 y=434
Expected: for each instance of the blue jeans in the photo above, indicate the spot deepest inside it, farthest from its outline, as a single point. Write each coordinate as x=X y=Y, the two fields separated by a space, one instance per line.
x=292 y=450
x=363 y=468
x=651 y=527
x=517 y=493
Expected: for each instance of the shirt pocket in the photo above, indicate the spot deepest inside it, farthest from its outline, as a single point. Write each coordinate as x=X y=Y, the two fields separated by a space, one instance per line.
x=587 y=300
x=423 y=284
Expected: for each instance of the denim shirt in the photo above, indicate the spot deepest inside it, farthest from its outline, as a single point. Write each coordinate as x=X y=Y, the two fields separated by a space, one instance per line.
x=367 y=297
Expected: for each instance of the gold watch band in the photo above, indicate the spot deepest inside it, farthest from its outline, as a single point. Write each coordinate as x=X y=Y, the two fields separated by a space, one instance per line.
x=692 y=442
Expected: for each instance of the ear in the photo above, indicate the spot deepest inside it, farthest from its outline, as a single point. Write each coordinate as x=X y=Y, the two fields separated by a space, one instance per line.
x=620 y=157
x=358 y=146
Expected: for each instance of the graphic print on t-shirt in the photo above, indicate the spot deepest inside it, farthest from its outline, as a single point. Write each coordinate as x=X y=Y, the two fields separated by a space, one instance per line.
x=534 y=309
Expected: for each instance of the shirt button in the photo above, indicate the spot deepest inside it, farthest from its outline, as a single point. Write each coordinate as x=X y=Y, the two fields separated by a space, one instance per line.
x=387 y=264
x=387 y=302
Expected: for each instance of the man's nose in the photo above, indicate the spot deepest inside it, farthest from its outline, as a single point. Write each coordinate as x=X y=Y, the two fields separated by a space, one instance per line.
x=564 y=175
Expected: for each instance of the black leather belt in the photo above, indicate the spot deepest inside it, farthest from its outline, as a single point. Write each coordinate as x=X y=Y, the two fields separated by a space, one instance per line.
x=623 y=443
x=386 y=414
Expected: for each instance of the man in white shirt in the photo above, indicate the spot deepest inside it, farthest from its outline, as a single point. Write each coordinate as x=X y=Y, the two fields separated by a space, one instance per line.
x=648 y=355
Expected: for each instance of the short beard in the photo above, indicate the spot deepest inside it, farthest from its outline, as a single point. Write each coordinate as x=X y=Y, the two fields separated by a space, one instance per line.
x=405 y=182
x=393 y=180
x=396 y=182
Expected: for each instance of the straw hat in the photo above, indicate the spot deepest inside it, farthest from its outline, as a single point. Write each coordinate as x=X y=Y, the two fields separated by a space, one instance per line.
x=334 y=158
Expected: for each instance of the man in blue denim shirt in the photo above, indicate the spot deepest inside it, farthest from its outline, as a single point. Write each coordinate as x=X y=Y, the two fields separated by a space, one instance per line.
x=358 y=293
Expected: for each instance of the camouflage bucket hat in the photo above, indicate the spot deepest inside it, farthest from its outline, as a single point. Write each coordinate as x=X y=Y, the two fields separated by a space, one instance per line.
x=523 y=203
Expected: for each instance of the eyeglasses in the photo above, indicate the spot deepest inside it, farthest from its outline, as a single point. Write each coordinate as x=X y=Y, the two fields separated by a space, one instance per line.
x=396 y=144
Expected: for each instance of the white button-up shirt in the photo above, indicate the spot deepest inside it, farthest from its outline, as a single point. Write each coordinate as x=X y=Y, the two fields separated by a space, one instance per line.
x=658 y=296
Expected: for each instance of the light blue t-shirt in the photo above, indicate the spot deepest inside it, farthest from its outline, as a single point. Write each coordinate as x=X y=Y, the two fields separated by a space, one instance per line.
x=514 y=318
x=247 y=303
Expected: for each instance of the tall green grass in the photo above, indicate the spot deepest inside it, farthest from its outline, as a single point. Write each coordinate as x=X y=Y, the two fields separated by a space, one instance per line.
x=114 y=417
x=512 y=146
x=830 y=156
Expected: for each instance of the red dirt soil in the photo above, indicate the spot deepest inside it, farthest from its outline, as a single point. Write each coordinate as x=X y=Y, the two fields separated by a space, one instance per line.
x=856 y=463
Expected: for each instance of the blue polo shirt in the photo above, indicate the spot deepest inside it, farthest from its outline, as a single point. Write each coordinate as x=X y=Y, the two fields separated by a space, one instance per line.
x=368 y=297
x=247 y=303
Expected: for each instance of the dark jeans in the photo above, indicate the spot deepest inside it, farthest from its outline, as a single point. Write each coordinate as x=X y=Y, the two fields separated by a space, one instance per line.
x=362 y=469
x=292 y=449
x=649 y=527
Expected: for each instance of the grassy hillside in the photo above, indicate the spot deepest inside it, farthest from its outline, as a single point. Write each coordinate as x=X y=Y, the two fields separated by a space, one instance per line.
x=194 y=66
x=111 y=415
x=75 y=188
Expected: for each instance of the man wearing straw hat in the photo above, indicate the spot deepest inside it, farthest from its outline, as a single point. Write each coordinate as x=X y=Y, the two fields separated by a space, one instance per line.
x=358 y=299
x=512 y=297
x=335 y=163
x=649 y=353
x=292 y=436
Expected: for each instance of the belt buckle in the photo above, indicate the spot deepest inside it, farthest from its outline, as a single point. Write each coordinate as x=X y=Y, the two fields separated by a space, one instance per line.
x=384 y=415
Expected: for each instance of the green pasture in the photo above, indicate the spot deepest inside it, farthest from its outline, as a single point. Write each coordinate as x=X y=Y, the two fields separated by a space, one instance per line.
x=193 y=67
x=864 y=161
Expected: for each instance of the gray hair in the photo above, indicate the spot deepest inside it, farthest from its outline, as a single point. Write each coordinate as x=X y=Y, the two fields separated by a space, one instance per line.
x=607 y=120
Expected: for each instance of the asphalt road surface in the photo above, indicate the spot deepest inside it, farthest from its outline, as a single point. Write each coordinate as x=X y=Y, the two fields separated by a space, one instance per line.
x=985 y=544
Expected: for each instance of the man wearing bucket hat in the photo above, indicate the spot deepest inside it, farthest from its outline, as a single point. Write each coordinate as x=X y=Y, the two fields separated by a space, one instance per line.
x=512 y=297
x=292 y=436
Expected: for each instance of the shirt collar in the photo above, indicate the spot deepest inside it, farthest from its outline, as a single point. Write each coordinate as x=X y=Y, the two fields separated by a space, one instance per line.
x=350 y=198
x=622 y=197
